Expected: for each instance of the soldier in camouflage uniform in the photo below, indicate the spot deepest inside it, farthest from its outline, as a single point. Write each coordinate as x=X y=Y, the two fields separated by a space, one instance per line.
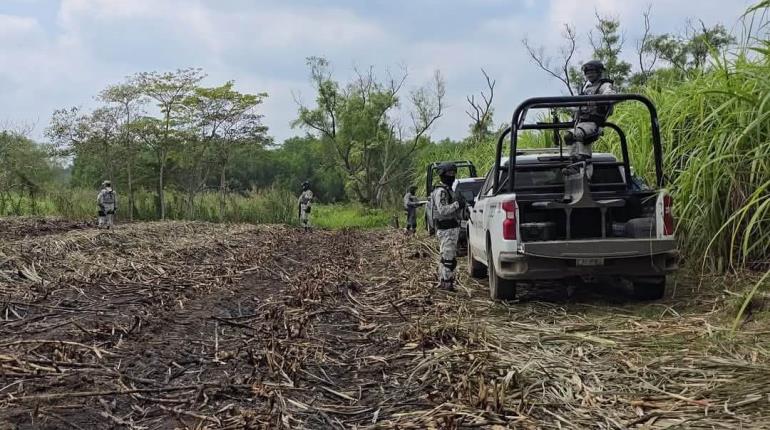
x=305 y=201
x=107 y=201
x=411 y=203
x=589 y=119
x=447 y=209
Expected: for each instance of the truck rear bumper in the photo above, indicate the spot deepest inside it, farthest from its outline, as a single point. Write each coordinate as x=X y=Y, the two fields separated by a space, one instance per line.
x=605 y=257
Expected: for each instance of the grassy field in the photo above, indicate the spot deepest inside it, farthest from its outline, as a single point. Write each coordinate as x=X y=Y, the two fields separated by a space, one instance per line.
x=272 y=206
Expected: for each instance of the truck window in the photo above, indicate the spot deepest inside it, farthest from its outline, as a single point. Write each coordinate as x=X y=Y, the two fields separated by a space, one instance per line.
x=539 y=176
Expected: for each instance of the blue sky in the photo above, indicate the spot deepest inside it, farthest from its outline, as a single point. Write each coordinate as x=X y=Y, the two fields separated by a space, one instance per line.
x=59 y=53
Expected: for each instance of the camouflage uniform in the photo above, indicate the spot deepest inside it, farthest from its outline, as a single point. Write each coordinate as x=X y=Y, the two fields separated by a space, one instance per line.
x=590 y=118
x=446 y=213
x=410 y=206
x=107 y=201
x=305 y=201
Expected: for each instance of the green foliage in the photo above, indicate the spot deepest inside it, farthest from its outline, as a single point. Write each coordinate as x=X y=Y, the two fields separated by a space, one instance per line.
x=339 y=216
x=357 y=123
x=690 y=52
x=717 y=154
x=271 y=205
x=607 y=46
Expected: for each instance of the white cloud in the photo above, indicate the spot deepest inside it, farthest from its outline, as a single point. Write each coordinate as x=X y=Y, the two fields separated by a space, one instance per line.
x=262 y=46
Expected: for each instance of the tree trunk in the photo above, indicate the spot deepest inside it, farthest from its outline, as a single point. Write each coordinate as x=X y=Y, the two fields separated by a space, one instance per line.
x=222 y=190
x=130 y=149
x=130 y=190
x=161 y=196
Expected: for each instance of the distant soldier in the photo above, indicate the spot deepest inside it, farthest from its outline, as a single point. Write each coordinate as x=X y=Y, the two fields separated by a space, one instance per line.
x=589 y=119
x=304 y=202
x=107 y=201
x=447 y=208
x=411 y=203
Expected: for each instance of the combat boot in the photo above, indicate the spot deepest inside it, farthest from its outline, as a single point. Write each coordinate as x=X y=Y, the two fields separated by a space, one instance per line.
x=446 y=285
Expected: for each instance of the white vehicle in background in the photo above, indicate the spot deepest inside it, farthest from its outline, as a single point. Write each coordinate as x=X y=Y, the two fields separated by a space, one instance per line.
x=541 y=215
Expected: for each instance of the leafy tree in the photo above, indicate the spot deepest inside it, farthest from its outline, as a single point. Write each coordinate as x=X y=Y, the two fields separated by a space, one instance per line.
x=169 y=91
x=129 y=100
x=607 y=44
x=226 y=119
x=689 y=52
x=73 y=133
x=25 y=169
x=359 y=123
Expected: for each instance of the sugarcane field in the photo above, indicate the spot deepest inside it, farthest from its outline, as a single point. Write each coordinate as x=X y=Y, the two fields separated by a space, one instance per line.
x=194 y=325
x=344 y=215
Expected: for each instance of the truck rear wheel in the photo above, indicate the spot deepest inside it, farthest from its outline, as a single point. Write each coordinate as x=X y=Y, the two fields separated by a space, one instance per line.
x=476 y=269
x=649 y=288
x=499 y=288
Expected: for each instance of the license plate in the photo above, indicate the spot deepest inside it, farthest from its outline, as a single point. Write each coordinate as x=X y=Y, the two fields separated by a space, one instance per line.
x=589 y=262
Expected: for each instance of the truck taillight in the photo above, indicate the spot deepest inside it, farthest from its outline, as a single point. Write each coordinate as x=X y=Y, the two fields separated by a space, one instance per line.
x=668 y=215
x=509 y=223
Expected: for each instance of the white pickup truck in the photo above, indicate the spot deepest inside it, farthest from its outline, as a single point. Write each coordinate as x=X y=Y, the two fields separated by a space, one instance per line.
x=562 y=219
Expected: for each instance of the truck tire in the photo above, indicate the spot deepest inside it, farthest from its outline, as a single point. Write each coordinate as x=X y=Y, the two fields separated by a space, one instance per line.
x=499 y=288
x=476 y=269
x=649 y=288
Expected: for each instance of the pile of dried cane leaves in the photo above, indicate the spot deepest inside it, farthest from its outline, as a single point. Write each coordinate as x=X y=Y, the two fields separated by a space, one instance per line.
x=193 y=325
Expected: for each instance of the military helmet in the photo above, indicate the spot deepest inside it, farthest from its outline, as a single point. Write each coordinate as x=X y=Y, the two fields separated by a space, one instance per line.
x=593 y=65
x=106 y=184
x=305 y=185
x=447 y=169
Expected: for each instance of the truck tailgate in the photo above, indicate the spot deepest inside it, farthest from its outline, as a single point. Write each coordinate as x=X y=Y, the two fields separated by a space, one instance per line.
x=599 y=248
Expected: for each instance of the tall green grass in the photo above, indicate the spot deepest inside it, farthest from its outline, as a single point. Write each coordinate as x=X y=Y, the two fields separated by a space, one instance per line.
x=716 y=139
x=340 y=216
x=271 y=206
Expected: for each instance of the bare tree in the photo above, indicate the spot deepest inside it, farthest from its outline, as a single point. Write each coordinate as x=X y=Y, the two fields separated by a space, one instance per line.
x=647 y=57
x=481 y=113
x=566 y=52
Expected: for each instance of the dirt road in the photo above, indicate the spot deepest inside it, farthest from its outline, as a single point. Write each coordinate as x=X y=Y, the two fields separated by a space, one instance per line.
x=192 y=325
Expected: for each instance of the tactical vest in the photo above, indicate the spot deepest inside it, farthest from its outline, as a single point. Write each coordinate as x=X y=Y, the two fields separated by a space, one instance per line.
x=594 y=113
x=305 y=198
x=445 y=221
x=108 y=197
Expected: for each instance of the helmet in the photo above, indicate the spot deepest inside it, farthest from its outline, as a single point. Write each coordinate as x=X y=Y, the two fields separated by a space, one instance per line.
x=306 y=185
x=106 y=184
x=593 y=65
x=412 y=189
x=447 y=169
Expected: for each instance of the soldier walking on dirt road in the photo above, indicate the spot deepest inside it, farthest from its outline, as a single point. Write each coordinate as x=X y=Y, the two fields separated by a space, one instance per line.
x=107 y=201
x=447 y=209
x=304 y=202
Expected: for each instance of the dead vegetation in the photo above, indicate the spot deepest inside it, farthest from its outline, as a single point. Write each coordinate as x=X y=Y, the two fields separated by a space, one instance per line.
x=192 y=325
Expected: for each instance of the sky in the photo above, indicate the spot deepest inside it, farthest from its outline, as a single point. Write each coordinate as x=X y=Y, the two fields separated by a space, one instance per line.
x=61 y=53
